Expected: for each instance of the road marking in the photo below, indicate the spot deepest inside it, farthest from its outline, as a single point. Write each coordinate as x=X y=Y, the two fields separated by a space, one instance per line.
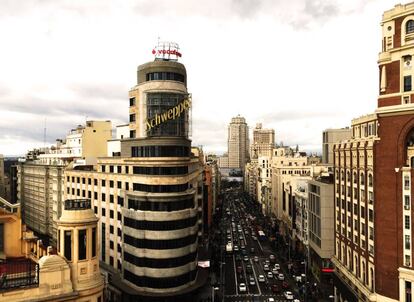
x=235 y=275
x=255 y=277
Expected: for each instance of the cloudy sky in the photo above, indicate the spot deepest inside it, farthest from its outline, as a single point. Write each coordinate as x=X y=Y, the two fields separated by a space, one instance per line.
x=298 y=66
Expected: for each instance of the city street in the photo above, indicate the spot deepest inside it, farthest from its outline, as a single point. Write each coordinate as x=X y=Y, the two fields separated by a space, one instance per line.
x=247 y=262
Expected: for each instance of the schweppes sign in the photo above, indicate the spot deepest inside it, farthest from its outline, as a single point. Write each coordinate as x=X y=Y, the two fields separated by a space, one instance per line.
x=170 y=114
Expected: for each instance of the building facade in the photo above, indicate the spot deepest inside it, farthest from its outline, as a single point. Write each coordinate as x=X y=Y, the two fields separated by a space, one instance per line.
x=34 y=272
x=263 y=141
x=329 y=138
x=321 y=227
x=40 y=180
x=373 y=186
x=238 y=143
x=150 y=197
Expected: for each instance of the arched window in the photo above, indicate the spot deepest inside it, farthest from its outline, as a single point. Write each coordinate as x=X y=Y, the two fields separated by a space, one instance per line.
x=348 y=176
x=362 y=179
x=355 y=178
x=370 y=179
x=409 y=27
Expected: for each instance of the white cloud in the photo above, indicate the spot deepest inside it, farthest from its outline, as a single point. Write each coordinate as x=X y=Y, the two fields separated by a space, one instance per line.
x=277 y=62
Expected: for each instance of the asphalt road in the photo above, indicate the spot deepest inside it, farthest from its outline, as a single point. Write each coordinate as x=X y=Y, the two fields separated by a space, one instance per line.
x=239 y=227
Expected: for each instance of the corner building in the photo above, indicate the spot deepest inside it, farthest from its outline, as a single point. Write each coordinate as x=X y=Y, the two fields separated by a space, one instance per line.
x=373 y=186
x=149 y=199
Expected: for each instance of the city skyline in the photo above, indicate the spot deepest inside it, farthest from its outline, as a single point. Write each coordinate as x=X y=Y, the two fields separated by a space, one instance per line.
x=78 y=66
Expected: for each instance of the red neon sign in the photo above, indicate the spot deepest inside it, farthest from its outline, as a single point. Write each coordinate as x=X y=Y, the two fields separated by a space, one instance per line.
x=327 y=270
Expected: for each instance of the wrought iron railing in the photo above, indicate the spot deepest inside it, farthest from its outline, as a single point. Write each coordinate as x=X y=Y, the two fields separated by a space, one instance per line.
x=18 y=274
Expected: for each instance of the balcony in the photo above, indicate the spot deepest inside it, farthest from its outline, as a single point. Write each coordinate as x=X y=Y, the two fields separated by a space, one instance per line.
x=18 y=273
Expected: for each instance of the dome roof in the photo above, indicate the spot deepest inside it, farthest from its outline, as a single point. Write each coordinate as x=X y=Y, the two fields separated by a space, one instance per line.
x=52 y=261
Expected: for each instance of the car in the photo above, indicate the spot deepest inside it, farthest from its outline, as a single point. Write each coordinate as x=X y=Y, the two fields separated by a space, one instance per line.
x=242 y=287
x=256 y=259
x=254 y=237
x=269 y=275
x=228 y=237
x=277 y=266
x=266 y=267
x=285 y=285
x=252 y=281
x=267 y=262
x=249 y=268
x=261 y=278
x=275 y=271
x=272 y=258
x=288 y=295
x=275 y=288
x=236 y=248
x=281 y=277
x=239 y=269
x=241 y=237
x=245 y=259
x=252 y=250
x=270 y=300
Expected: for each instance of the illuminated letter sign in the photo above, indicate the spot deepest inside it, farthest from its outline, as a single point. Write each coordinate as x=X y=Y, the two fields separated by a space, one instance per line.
x=167 y=51
x=170 y=114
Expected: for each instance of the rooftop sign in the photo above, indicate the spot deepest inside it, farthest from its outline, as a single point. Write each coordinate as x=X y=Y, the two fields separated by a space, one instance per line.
x=170 y=114
x=169 y=51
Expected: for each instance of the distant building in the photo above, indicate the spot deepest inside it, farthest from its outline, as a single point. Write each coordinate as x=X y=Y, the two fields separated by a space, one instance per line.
x=263 y=142
x=329 y=138
x=2 y=178
x=238 y=143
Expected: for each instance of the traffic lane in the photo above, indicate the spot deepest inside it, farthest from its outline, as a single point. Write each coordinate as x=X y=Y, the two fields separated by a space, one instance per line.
x=229 y=273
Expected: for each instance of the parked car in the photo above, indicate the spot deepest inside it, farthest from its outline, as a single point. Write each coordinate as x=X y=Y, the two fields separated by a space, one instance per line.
x=281 y=277
x=261 y=278
x=242 y=287
x=288 y=295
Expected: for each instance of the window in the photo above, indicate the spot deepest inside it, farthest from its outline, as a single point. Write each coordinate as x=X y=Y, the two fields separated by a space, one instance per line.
x=103 y=242
x=82 y=244
x=111 y=213
x=132 y=118
x=93 y=242
x=131 y=101
x=103 y=183
x=132 y=134
x=407 y=260
x=111 y=183
x=1 y=237
x=160 y=151
x=119 y=184
x=111 y=244
x=111 y=229
x=103 y=197
x=95 y=182
x=409 y=27
x=407 y=242
x=407 y=222
x=111 y=198
x=407 y=291
x=406 y=202
x=68 y=245
x=407 y=83
x=111 y=169
x=406 y=182
x=103 y=168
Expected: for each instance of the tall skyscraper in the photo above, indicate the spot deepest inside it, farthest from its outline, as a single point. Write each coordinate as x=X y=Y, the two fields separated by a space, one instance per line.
x=238 y=143
x=149 y=196
x=373 y=180
x=263 y=142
